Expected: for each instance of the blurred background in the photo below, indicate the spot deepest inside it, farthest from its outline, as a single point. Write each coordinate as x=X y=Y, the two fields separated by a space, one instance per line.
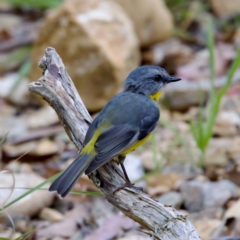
x=192 y=161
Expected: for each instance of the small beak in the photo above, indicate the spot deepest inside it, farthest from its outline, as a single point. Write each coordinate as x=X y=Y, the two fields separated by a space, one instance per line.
x=173 y=79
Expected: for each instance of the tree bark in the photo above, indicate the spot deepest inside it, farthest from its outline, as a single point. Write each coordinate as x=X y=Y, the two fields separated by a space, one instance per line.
x=56 y=87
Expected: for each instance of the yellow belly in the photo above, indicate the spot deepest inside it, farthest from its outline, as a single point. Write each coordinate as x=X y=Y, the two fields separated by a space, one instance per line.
x=134 y=146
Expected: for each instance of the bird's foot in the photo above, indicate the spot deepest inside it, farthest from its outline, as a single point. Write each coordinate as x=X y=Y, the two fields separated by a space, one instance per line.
x=129 y=185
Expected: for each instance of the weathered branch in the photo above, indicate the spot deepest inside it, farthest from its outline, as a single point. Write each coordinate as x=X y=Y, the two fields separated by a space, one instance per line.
x=58 y=90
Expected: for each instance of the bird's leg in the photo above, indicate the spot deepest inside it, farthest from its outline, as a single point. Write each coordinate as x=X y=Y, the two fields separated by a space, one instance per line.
x=128 y=183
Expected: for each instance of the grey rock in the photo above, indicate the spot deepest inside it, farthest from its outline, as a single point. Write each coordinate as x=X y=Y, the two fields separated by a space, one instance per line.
x=32 y=203
x=204 y=195
x=183 y=95
x=184 y=170
x=174 y=199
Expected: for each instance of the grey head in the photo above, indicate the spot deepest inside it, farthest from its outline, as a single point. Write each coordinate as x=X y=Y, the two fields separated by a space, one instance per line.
x=148 y=80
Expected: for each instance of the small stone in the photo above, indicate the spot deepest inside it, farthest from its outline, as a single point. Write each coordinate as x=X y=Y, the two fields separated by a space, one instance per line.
x=203 y=195
x=17 y=95
x=51 y=215
x=233 y=211
x=58 y=238
x=225 y=8
x=20 y=221
x=44 y=117
x=45 y=147
x=186 y=171
x=211 y=213
x=207 y=228
x=135 y=238
x=226 y=123
x=9 y=22
x=217 y=152
x=156 y=191
x=29 y=205
x=171 y=198
x=234 y=150
x=14 y=151
x=134 y=167
x=148 y=160
x=19 y=167
x=163 y=179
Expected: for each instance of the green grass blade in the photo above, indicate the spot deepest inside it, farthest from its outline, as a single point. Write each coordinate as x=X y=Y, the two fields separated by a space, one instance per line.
x=77 y=192
x=32 y=190
x=17 y=56
x=39 y=187
x=235 y=65
x=210 y=45
x=26 y=235
x=4 y=138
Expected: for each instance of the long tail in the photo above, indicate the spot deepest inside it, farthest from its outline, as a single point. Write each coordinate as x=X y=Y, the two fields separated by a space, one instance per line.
x=68 y=178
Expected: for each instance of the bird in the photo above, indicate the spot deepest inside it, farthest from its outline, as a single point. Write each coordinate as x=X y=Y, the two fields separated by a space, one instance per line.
x=123 y=125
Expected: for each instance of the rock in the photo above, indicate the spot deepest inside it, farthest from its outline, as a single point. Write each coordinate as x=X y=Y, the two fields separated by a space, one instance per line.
x=14 y=126
x=217 y=152
x=226 y=123
x=163 y=179
x=184 y=154
x=234 y=150
x=236 y=37
x=9 y=22
x=58 y=238
x=146 y=17
x=98 y=45
x=225 y=8
x=173 y=53
x=17 y=167
x=158 y=190
x=135 y=238
x=44 y=147
x=21 y=223
x=203 y=195
x=231 y=102
x=185 y=94
x=233 y=211
x=51 y=215
x=198 y=68
x=66 y=228
x=14 y=151
x=43 y=117
x=32 y=203
x=186 y=171
x=134 y=167
x=148 y=160
x=171 y=198
x=111 y=228
x=9 y=233
x=14 y=88
x=211 y=213
x=207 y=228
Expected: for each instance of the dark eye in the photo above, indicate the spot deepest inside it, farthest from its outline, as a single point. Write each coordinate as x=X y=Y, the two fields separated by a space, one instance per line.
x=157 y=78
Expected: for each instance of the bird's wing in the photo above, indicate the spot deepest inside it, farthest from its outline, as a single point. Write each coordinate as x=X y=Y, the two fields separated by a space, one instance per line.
x=118 y=138
x=148 y=123
x=91 y=131
x=112 y=142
